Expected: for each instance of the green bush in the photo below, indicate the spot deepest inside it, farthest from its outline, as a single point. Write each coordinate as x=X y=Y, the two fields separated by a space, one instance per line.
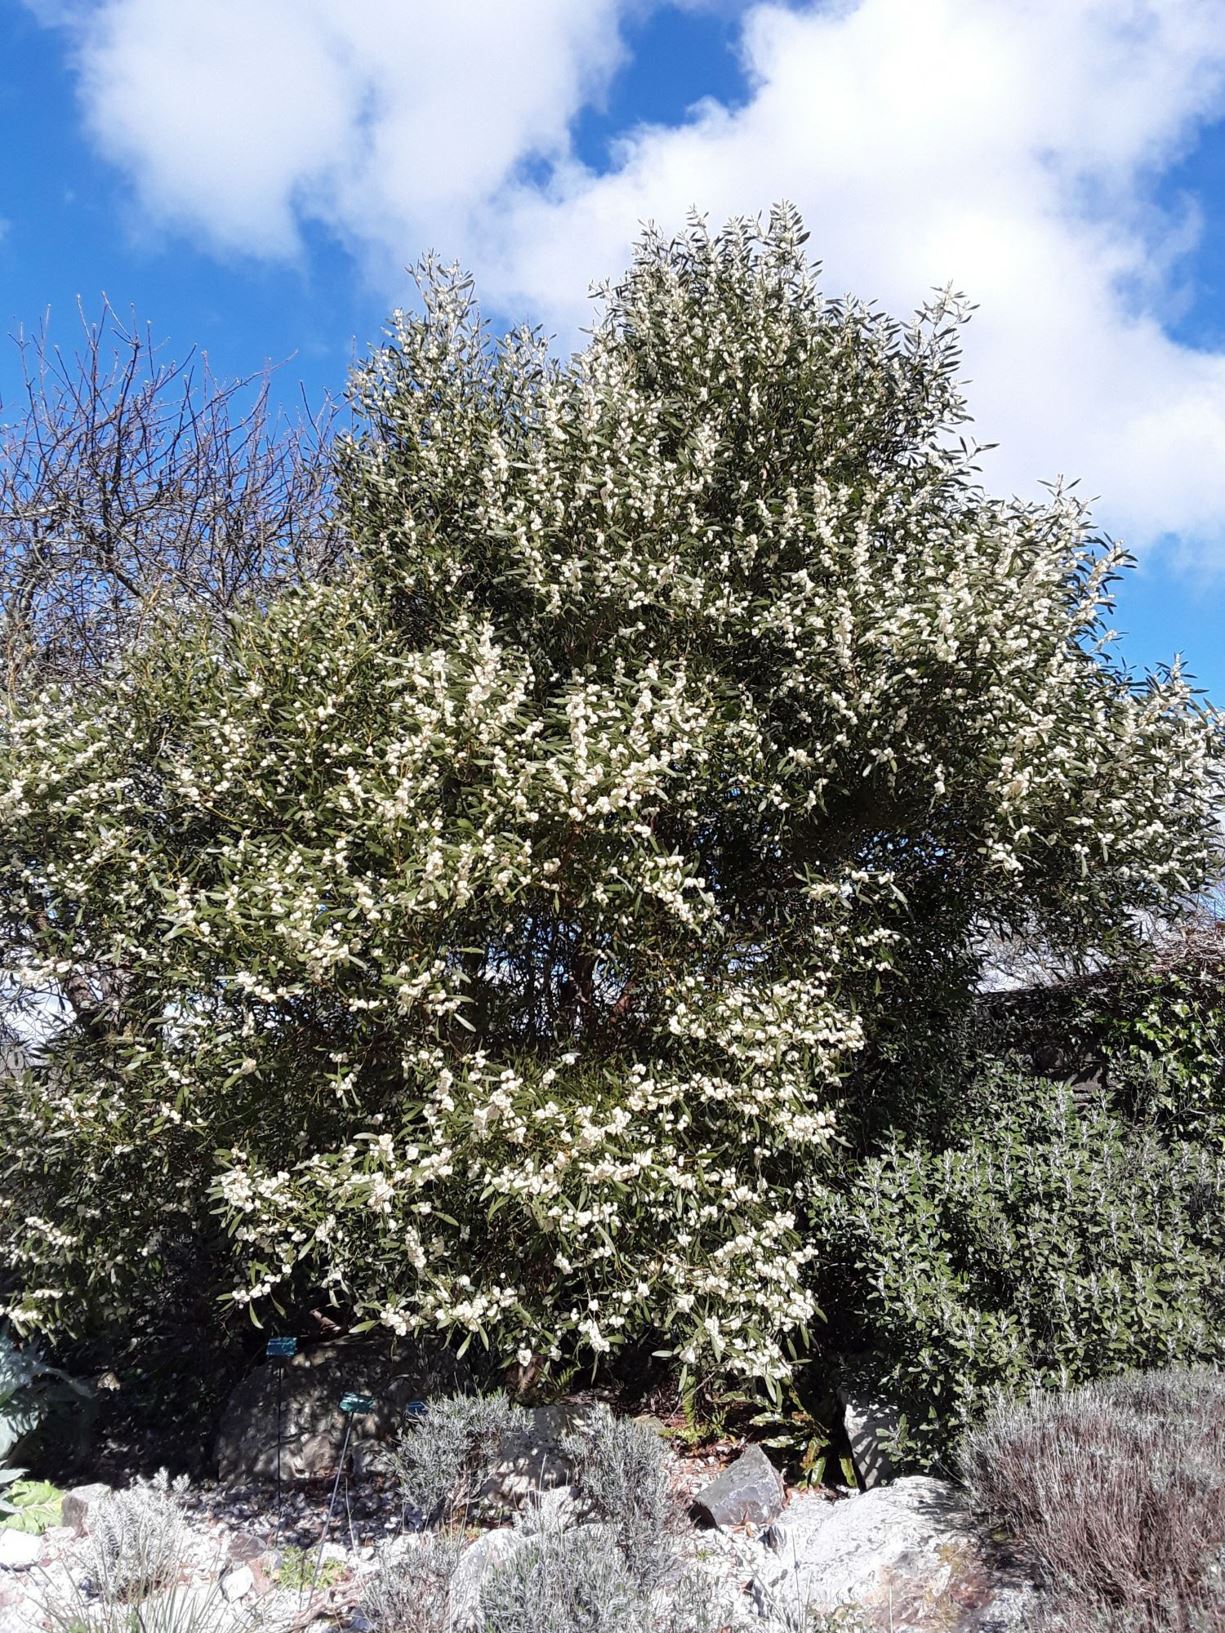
x=1151 y=1025
x=301 y=1570
x=481 y=942
x=1161 y=1026
x=1047 y=1249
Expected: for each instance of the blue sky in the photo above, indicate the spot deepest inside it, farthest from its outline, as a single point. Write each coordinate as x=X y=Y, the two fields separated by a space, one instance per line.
x=253 y=176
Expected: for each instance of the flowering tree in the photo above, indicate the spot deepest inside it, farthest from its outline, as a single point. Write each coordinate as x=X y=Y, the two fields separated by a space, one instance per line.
x=484 y=939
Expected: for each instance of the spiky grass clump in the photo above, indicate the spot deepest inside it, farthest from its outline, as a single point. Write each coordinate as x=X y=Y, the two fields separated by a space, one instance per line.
x=179 y=1610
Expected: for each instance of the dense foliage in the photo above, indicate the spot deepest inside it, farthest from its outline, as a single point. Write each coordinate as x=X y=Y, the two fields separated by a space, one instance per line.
x=483 y=942
x=1046 y=1248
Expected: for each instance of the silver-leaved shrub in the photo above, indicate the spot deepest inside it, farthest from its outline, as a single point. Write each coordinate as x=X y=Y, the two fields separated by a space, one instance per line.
x=482 y=940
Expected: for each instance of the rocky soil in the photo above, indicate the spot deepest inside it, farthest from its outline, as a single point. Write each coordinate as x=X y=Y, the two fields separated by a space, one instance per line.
x=902 y=1557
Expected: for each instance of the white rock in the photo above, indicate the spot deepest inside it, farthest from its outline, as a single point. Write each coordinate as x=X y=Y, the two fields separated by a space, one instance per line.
x=490 y=1549
x=906 y=1556
x=19 y=1549
x=789 y=1538
x=19 y=1617
x=236 y=1584
x=280 y=1609
x=733 y=1553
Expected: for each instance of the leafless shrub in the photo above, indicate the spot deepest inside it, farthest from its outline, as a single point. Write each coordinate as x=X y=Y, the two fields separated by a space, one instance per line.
x=1117 y=1494
x=130 y=485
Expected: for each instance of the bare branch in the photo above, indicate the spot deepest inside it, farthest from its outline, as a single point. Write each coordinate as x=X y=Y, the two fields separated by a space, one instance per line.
x=130 y=483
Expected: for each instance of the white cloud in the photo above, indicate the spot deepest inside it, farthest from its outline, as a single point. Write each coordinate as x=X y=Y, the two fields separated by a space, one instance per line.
x=1011 y=146
x=384 y=118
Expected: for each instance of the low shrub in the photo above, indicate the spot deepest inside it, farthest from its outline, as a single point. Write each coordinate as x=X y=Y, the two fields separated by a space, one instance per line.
x=410 y=1591
x=1047 y=1248
x=564 y=1582
x=445 y=1454
x=136 y=1550
x=301 y=1570
x=138 y=1540
x=622 y=1470
x=1116 y=1492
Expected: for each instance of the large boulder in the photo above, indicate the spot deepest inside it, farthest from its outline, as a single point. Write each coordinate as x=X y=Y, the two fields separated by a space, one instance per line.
x=312 y=1424
x=907 y=1557
x=19 y=1550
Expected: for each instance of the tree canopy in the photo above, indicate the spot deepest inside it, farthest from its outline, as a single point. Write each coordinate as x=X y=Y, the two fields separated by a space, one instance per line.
x=484 y=939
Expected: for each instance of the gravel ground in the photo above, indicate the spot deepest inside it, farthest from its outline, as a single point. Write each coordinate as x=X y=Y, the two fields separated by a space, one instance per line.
x=237 y=1528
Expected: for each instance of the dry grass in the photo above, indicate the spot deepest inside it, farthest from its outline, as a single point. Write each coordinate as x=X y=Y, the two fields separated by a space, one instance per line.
x=1116 y=1492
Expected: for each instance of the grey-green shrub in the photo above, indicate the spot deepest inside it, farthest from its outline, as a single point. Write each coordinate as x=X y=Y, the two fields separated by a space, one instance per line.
x=138 y=1539
x=443 y=1455
x=1115 y=1492
x=622 y=1470
x=410 y=1591
x=1048 y=1248
x=564 y=1582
